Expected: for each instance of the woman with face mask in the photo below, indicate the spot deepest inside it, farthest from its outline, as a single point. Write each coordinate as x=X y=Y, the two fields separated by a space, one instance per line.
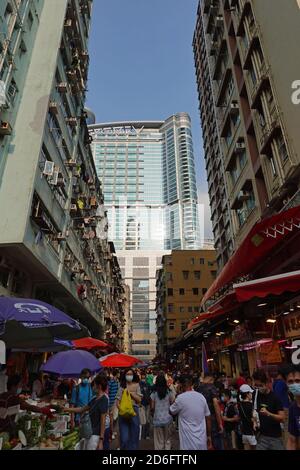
x=130 y=427
x=293 y=382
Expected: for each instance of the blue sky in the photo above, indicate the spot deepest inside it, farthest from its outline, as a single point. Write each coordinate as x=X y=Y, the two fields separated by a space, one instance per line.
x=142 y=66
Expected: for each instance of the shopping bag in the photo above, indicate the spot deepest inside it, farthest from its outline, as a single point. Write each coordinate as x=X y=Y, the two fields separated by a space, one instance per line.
x=126 y=407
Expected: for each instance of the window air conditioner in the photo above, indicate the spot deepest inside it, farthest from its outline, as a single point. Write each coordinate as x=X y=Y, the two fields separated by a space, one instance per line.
x=62 y=87
x=5 y=128
x=240 y=146
x=48 y=168
x=243 y=196
x=71 y=163
x=53 y=108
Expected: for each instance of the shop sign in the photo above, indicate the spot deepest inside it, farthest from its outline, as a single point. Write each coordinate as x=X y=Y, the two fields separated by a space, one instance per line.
x=241 y=334
x=228 y=341
x=292 y=325
x=2 y=353
x=270 y=353
x=296 y=353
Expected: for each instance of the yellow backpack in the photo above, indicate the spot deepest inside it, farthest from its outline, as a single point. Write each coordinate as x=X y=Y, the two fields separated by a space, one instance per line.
x=126 y=407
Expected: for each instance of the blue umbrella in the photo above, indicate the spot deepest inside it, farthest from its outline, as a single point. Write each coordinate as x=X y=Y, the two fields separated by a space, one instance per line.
x=70 y=363
x=30 y=323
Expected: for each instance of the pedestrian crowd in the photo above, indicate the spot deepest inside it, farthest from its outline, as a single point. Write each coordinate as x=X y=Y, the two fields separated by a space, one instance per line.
x=209 y=412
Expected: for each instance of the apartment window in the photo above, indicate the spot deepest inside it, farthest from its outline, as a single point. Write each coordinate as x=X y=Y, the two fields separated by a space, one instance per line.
x=30 y=20
x=170 y=308
x=170 y=291
x=185 y=274
x=195 y=291
x=211 y=263
x=253 y=75
x=190 y=309
x=181 y=309
x=181 y=291
x=169 y=277
x=197 y=274
x=202 y=260
x=196 y=309
x=213 y=274
x=282 y=148
x=172 y=326
x=183 y=326
x=192 y=260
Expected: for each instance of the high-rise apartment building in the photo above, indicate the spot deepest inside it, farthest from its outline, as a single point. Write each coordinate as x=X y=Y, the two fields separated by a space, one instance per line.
x=53 y=227
x=249 y=120
x=149 y=184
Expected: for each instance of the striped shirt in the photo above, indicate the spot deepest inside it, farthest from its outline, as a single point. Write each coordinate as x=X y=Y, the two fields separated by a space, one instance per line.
x=113 y=387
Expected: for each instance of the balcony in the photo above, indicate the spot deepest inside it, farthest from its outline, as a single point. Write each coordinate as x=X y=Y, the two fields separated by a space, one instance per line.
x=261 y=84
x=220 y=85
x=248 y=47
x=240 y=16
x=267 y=130
x=228 y=145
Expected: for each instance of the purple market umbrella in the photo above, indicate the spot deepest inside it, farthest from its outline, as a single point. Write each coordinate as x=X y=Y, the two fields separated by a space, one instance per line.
x=70 y=363
x=30 y=323
x=56 y=346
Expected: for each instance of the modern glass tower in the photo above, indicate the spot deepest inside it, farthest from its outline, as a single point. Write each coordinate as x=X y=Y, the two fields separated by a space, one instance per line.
x=149 y=184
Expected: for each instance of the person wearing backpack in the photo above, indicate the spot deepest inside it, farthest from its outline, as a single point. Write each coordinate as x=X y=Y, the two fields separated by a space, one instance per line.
x=82 y=393
x=247 y=417
x=129 y=422
x=93 y=415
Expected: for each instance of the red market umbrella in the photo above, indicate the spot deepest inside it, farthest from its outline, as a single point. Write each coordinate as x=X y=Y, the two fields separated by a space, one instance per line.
x=119 y=360
x=89 y=343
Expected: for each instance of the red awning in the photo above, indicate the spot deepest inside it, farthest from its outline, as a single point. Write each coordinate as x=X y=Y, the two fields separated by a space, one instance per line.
x=261 y=240
x=273 y=285
x=227 y=304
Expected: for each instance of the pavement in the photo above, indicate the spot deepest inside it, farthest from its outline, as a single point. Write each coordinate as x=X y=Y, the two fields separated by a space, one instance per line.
x=148 y=444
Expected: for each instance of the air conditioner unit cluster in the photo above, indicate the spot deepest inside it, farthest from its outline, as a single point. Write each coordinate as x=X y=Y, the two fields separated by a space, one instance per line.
x=72 y=121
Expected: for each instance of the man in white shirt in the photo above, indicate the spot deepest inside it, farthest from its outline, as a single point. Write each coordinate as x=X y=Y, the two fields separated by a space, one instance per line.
x=193 y=416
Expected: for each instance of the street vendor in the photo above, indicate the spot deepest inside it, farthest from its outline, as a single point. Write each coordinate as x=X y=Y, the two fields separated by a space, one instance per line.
x=13 y=398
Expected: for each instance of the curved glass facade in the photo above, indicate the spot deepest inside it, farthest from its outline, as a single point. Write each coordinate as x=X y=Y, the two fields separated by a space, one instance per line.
x=148 y=176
